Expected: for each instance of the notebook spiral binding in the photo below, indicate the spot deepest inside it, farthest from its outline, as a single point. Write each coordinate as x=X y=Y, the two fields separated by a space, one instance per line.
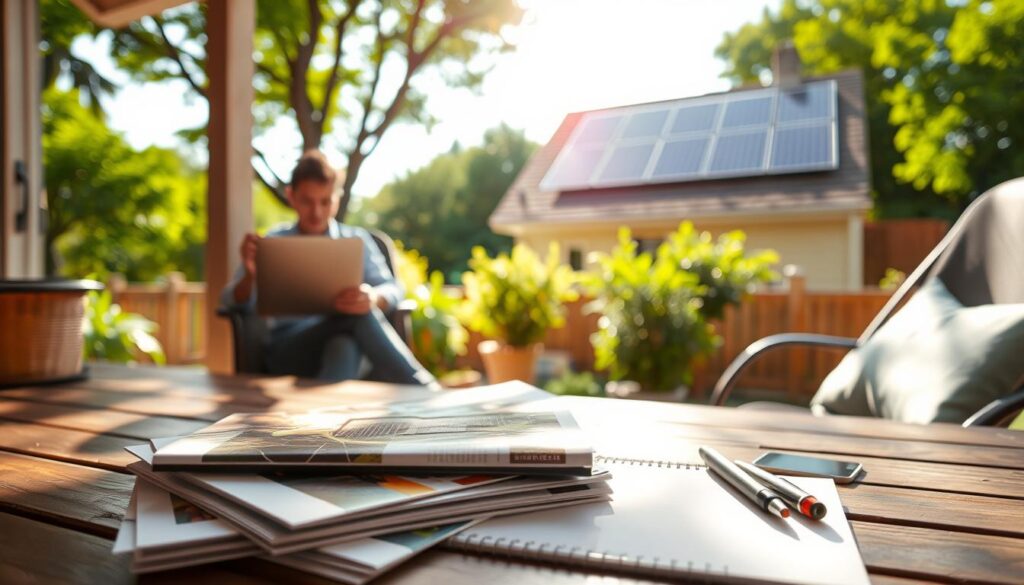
x=542 y=551
x=648 y=462
x=587 y=558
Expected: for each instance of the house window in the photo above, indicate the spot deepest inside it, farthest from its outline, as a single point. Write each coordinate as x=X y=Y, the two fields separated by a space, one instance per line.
x=576 y=259
x=649 y=245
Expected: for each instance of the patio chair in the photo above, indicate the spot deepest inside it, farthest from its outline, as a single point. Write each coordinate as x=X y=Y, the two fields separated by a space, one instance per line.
x=249 y=330
x=980 y=262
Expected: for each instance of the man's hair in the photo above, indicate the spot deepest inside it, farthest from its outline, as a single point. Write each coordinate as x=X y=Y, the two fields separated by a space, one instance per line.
x=313 y=166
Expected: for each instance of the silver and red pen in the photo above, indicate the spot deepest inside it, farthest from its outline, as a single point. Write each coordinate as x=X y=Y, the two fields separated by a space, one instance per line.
x=769 y=491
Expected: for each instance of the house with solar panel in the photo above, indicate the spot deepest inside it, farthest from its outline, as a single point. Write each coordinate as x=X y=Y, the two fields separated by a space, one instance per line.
x=787 y=164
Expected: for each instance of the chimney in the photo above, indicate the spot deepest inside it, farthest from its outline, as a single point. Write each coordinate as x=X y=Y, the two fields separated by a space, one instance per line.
x=785 y=65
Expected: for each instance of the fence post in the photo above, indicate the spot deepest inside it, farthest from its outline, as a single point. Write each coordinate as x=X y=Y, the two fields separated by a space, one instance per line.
x=795 y=311
x=170 y=333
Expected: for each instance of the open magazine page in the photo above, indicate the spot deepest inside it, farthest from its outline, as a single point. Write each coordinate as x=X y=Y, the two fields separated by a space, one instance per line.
x=481 y=431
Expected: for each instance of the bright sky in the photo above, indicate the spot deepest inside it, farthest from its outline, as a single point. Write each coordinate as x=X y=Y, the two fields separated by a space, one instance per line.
x=571 y=55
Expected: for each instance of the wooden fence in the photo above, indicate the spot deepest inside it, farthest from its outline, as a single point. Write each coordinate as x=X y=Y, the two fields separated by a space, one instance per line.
x=899 y=244
x=792 y=308
x=177 y=306
x=178 y=309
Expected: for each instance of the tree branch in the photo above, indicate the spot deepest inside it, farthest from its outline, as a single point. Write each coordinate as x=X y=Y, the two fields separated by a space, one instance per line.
x=298 y=90
x=410 y=35
x=175 y=55
x=330 y=87
x=276 y=183
x=269 y=72
x=367 y=103
x=279 y=39
x=414 y=60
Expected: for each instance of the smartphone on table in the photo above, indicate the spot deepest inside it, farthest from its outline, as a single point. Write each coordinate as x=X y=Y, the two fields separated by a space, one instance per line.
x=786 y=464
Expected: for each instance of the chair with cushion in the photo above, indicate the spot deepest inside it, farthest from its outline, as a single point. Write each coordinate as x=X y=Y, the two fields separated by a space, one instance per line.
x=249 y=330
x=952 y=352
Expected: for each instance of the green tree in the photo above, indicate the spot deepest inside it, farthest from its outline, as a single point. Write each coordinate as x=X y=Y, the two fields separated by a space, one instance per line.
x=59 y=24
x=112 y=208
x=344 y=69
x=943 y=84
x=441 y=210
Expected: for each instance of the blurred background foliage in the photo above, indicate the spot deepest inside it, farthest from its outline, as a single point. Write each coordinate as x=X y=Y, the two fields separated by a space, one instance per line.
x=438 y=337
x=113 y=335
x=944 y=84
x=442 y=209
x=343 y=70
x=322 y=68
x=656 y=308
x=113 y=208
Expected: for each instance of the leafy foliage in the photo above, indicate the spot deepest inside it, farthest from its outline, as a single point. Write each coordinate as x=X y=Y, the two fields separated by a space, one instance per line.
x=724 y=270
x=575 y=384
x=515 y=298
x=345 y=69
x=892 y=279
x=112 y=208
x=59 y=24
x=442 y=209
x=438 y=337
x=655 y=308
x=116 y=336
x=943 y=86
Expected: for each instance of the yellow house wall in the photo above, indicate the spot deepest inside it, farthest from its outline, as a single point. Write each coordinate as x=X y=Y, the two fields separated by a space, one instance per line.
x=828 y=250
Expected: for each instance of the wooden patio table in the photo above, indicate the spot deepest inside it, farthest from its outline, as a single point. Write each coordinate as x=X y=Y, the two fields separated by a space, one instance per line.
x=937 y=503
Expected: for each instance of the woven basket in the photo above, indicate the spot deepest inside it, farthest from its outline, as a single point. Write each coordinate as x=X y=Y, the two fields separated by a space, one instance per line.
x=40 y=335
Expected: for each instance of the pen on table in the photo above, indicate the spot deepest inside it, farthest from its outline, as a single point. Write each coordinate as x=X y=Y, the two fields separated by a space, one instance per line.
x=802 y=501
x=765 y=498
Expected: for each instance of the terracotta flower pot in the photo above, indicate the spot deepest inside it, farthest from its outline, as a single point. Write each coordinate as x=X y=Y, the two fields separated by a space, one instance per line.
x=505 y=362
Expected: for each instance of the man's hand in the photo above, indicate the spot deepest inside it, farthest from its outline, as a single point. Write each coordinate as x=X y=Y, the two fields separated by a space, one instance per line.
x=356 y=300
x=248 y=252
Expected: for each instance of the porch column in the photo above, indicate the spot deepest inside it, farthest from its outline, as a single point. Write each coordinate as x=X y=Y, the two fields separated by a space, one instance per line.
x=21 y=241
x=230 y=26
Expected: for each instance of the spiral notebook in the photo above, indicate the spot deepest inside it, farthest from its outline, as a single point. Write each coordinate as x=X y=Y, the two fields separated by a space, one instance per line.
x=672 y=520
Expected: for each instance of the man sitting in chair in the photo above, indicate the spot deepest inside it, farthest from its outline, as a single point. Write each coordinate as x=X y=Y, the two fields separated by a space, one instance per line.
x=331 y=347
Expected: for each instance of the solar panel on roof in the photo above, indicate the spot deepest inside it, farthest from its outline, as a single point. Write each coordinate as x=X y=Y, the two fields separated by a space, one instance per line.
x=807 y=146
x=645 y=124
x=627 y=162
x=739 y=152
x=599 y=129
x=695 y=118
x=754 y=112
x=725 y=135
x=806 y=103
x=577 y=167
x=681 y=157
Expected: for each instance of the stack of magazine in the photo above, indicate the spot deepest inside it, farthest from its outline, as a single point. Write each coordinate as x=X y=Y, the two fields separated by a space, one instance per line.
x=349 y=492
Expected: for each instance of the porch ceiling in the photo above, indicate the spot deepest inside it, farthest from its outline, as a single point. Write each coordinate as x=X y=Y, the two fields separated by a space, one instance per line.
x=118 y=13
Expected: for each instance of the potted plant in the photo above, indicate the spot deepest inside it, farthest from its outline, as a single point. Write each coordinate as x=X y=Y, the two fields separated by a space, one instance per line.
x=513 y=299
x=438 y=337
x=655 y=309
x=116 y=336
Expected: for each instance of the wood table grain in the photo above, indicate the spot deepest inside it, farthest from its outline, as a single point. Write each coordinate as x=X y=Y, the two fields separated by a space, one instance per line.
x=937 y=503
